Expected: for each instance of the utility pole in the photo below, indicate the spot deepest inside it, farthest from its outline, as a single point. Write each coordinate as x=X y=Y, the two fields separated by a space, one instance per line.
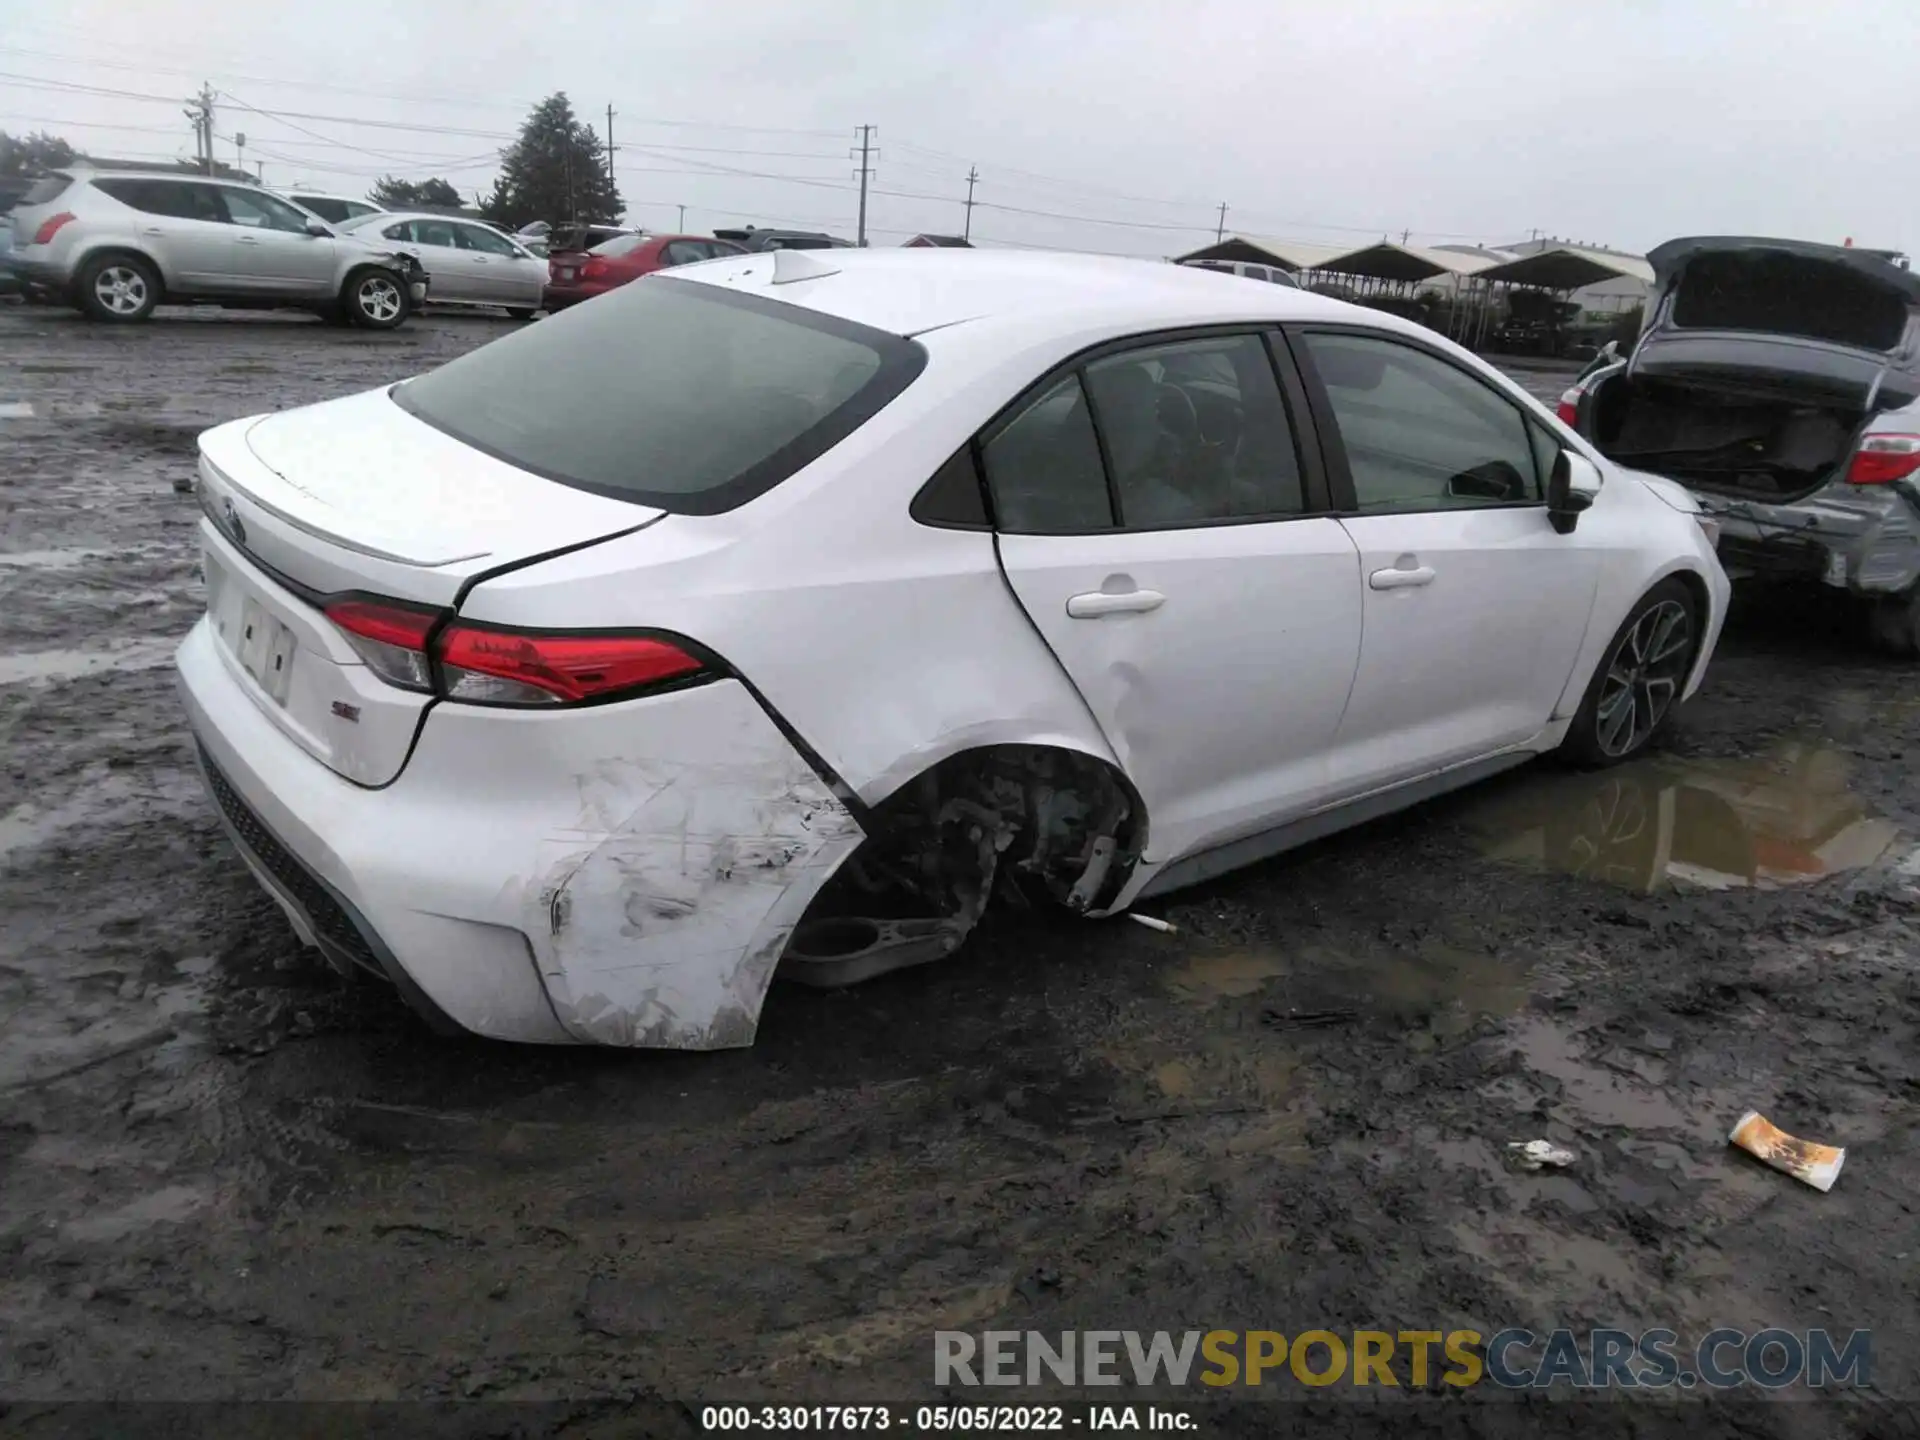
x=240 y=152
x=866 y=170
x=1220 y=230
x=1403 y=236
x=200 y=111
x=683 y=220
x=973 y=178
x=610 y=179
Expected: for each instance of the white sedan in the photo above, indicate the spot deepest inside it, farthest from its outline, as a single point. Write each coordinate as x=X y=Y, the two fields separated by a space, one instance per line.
x=777 y=611
x=468 y=263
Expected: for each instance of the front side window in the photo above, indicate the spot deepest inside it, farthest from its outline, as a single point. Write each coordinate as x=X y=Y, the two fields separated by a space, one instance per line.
x=402 y=231
x=1420 y=433
x=258 y=211
x=1044 y=468
x=668 y=393
x=1195 y=431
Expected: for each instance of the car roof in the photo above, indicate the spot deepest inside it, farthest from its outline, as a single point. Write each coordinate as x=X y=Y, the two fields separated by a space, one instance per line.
x=907 y=293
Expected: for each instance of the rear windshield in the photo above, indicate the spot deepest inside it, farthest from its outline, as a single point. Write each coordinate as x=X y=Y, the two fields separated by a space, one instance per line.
x=1789 y=295
x=47 y=187
x=619 y=245
x=668 y=392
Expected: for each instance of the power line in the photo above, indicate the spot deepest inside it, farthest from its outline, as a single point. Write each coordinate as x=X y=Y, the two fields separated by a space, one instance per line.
x=29 y=82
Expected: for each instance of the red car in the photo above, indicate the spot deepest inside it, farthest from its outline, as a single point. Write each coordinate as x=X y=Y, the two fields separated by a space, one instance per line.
x=576 y=275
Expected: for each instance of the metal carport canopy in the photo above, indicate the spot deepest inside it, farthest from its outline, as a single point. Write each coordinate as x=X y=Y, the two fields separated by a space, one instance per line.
x=1567 y=269
x=1404 y=263
x=1258 y=250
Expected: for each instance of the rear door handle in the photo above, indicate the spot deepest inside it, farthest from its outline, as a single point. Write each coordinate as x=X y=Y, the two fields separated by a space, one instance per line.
x=249 y=239
x=1096 y=603
x=153 y=230
x=1401 y=579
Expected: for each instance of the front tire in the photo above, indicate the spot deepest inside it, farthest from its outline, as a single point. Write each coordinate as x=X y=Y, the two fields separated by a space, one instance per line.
x=1636 y=688
x=121 y=289
x=519 y=313
x=375 y=300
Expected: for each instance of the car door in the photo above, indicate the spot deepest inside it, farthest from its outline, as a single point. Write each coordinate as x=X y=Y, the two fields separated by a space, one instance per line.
x=1165 y=530
x=506 y=276
x=273 y=250
x=1474 y=607
x=184 y=227
x=455 y=275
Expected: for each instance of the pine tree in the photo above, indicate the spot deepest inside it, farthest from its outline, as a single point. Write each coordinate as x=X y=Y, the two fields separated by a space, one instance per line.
x=30 y=154
x=556 y=171
x=433 y=194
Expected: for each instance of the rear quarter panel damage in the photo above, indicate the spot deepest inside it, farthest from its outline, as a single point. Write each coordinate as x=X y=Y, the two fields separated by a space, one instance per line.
x=660 y=903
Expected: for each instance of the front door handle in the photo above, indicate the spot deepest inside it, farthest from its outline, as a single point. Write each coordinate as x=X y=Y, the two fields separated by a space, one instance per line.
x=249 y=239
x=1096 y=603
x=1401 y=579
x=152 y=230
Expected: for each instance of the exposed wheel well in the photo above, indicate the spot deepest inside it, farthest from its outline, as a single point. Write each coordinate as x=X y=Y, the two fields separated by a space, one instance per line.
x=1015 y=821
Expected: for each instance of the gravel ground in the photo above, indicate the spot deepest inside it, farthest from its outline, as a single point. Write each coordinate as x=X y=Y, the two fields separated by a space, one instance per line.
x=224 y=1173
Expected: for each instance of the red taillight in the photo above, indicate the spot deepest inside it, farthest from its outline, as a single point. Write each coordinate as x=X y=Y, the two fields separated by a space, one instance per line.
x=484 y=666
x=507 y=667
x=1884 y=458
x=593 y=269
x=1567 y=412
x=50 y=227
x=390 y=637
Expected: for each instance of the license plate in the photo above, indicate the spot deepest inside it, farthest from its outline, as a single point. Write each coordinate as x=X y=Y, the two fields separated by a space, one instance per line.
x=566 y=274
x=265 y=648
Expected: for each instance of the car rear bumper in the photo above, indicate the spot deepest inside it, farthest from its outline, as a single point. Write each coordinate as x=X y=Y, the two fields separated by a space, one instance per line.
x=625 y=874
x=1860 y=538
x=559 y=296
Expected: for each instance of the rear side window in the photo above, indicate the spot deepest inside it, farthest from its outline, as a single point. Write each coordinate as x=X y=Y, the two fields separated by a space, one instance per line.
x=668 y=393
x=1789 y=295
x=334 y=210
x=1196 y=431
x=182 y=199
x=47 y=187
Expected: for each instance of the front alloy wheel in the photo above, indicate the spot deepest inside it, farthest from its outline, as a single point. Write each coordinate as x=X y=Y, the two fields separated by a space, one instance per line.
x=377 y=301
x=1643 y=678
x=1638 y=685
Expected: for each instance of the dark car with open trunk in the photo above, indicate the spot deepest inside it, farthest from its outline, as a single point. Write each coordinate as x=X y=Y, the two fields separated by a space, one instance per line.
x=1778 y=380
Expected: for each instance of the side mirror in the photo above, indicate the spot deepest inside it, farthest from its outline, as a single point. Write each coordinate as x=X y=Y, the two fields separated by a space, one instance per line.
x=319 y=227
x=1571 y=490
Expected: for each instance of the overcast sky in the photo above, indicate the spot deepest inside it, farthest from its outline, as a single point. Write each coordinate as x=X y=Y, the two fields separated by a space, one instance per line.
x=1622 y=123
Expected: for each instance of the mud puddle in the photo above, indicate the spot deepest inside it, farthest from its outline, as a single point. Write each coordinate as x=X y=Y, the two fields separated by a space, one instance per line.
x=1671 y=823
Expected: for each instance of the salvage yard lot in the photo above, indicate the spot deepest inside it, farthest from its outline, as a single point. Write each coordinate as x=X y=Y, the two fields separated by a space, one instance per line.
x=225 y=1173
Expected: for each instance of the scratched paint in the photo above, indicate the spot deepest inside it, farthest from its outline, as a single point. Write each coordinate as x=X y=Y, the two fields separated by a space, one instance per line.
x=659 y=918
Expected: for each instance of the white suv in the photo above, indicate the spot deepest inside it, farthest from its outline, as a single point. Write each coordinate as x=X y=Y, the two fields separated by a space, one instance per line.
x=118 y=243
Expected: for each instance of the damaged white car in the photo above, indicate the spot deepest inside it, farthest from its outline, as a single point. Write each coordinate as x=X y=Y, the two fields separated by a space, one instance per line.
x=781 y=611
x=1779 y=380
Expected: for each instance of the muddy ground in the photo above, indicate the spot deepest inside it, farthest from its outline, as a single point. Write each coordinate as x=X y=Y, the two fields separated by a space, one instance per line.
x=224 y=1173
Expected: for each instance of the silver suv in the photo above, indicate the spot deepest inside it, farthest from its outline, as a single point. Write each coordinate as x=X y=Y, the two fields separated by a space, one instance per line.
x=117 y=243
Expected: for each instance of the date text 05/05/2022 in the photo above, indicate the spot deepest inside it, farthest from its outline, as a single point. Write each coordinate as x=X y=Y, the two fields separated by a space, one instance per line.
x=939 y=1419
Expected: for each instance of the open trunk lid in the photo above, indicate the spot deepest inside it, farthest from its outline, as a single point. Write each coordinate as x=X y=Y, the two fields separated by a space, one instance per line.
x=1783 y=320
x=356 y=497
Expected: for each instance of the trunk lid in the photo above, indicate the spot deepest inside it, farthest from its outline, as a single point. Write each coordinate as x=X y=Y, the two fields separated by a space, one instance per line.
x=1783 y=320
x=356 y=495
x=368 y=495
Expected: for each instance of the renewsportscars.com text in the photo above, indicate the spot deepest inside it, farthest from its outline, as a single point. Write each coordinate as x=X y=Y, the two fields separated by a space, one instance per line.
x=1601 y=1358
